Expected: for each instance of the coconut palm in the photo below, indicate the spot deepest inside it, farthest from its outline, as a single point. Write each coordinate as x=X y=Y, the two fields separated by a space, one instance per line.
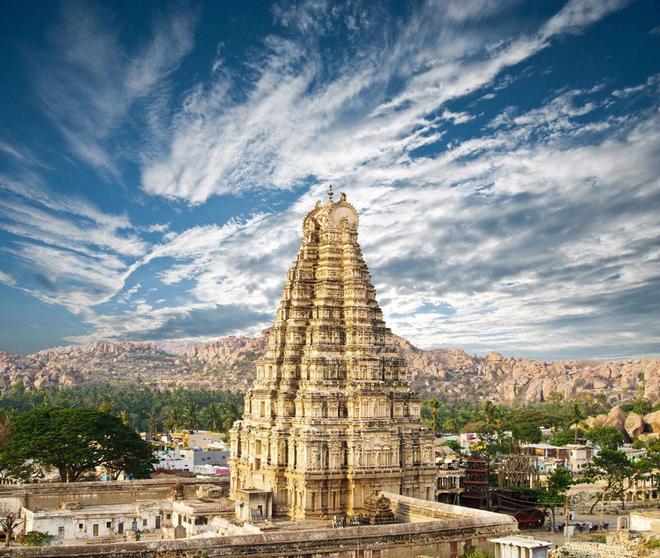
x=213 y=416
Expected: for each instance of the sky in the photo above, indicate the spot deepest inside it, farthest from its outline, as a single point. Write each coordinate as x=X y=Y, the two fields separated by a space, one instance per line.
x=157 y=159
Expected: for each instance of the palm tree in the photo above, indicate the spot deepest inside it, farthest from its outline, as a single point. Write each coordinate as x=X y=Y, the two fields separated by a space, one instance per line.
x=213 y=415
x=174 y=417
x=434 y=405
x=153 y=418
x=493 y=414
x=575 y=417
x=232 y=413
x=191 y=415
x=450 y=424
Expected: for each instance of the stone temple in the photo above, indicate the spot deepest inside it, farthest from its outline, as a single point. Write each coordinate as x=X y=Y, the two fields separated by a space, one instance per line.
x=331 y=418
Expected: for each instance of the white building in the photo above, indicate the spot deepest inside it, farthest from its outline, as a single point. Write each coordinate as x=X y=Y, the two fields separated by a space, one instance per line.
x=187 y=459
x=520 y=547
x=74 y=522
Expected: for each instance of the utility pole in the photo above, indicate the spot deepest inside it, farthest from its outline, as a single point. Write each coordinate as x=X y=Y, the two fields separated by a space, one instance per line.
x=566 y=537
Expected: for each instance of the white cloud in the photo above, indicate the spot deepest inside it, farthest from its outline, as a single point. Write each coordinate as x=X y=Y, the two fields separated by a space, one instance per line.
x=291 y=124
x=87 y=97
x=78 y=255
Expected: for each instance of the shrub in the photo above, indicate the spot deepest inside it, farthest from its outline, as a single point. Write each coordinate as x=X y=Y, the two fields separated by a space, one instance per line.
x=37 y=538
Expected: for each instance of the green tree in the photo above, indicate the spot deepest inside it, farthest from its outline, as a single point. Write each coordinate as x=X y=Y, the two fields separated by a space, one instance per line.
x=434 y=406
x=575 y=416
x=616 y=470
x=191 y=415
x=213 y=416
x=564 y=437
x=450 y=424
x=607 y=437
x=232 y=412
x=527 y=432
x=153 y=421
x=74 y=441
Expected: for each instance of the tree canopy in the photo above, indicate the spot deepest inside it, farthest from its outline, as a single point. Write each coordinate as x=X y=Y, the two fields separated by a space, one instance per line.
x=74 y=441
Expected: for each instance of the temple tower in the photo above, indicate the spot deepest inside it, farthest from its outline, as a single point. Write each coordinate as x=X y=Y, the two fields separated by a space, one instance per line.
x=331 y=416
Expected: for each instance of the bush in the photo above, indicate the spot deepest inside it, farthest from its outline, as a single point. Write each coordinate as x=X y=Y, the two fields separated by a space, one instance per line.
x=37 y=538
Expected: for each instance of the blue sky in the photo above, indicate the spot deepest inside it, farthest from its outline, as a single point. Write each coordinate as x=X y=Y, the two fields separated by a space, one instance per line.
x=156 y=160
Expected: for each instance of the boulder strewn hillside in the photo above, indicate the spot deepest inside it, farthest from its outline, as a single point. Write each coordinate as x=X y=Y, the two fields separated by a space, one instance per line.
x=228 y=363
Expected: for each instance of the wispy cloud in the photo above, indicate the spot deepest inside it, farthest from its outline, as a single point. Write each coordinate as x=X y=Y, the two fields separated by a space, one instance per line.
x=87 y=82
x=69 y=252
x=291 y=123
x=523 y=228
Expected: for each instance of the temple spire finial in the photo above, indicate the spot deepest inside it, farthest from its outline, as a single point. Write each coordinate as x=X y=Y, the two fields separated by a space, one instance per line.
x=330 y=193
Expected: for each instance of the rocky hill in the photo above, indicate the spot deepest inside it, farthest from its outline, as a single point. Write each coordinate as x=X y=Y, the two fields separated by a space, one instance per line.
x=228 y=363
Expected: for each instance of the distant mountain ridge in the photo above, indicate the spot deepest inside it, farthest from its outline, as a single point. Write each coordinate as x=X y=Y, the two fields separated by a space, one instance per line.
x=228 y=363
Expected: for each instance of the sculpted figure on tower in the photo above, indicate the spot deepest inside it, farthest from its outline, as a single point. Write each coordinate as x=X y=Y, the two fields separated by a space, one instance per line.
x=331 y=416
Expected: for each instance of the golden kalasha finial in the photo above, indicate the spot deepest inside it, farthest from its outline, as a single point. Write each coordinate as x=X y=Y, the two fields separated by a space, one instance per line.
x=330 y=193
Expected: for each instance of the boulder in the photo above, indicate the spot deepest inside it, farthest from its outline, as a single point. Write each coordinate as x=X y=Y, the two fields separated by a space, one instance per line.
x=634 y=425
x=649 y=436
x=595 y=421
x=653 y=421
x=617 y=418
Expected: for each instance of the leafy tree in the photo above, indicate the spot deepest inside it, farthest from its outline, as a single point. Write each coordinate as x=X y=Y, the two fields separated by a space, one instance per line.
x=607 y=437
x=564 y=437
x=137 y=402
x=74 y=441
x=559 y=482
x=527 y=432
x=493 y=414
x=613 y=467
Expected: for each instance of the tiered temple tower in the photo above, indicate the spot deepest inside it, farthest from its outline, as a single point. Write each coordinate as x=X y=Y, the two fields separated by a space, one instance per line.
x=331 y=416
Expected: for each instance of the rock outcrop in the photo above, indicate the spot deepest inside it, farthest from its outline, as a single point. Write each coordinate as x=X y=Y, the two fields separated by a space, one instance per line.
x=616 y=418
x=228 y=363
x=634 y=425
x=653 y=421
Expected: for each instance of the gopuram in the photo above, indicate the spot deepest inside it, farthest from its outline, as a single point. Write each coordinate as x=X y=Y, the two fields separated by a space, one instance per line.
x=331 y=418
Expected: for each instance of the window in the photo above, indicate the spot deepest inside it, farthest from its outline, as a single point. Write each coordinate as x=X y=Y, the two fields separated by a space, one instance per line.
x=80 y=526
x=108 y=524
x=168 y=516
x=60 y=531
x=144 y=522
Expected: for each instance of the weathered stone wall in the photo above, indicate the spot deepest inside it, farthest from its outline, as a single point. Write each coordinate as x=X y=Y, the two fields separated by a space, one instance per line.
x=47 y=496
x=442 y=538
x=426 y=528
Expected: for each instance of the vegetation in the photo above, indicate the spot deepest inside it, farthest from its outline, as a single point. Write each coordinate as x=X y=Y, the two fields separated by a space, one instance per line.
x=37 y=538
x=74 y=441
x=552 y=495
x=607 y=437
x=524 y=423
x=144 y=408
